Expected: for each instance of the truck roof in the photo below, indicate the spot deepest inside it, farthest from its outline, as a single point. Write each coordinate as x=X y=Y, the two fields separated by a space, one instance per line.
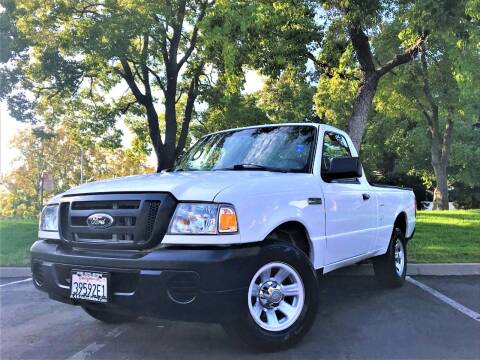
x=318 y=126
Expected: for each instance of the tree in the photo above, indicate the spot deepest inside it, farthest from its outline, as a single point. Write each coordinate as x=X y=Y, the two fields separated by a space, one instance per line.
x=228 y=112
x=83 y=50
x=110 y=58
x=59 y=153
x=441 y=88
x=288 y=98
x=359 y=22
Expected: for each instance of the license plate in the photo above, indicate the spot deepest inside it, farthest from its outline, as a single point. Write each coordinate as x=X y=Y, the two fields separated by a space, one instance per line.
x=91 y=286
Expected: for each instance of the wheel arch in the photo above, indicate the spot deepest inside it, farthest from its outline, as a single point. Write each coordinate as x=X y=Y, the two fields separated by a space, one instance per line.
x=401 y=222
x=295 y=232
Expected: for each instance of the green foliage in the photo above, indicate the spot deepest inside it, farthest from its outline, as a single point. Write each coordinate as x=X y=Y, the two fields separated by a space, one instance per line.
x=453 y=61
x=465 y=153
x=63 y=62
x=59 y=153
x=266 y=35
x=395 y=146
x=288 y=98
x=397 y=143
x=73 y=58
x=230 y=112
x=334 y=99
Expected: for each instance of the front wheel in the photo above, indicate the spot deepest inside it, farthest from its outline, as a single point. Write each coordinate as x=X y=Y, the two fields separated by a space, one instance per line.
x=109 y=317
x=281 y=301
x=391 y=268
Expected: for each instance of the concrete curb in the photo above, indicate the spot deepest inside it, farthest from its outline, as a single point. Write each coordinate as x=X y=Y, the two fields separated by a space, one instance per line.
x=416 y=269
x=14 y=272
x=355 y=270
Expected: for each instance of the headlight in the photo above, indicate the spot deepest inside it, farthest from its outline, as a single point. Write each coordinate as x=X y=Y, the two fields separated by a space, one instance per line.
x=49 y=218
x=197 y=218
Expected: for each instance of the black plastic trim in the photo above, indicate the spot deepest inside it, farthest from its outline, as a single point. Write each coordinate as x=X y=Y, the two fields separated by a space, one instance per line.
x=217 y=291
x=141 y=240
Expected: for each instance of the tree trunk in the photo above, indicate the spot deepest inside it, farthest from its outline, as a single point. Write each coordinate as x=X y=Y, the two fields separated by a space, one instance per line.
x=170 y=120
x=440 y=148
x=361 y=108
x=440 y=153
x=371 y=76
x=169 y=42
x=440 y=194
x=187 y=115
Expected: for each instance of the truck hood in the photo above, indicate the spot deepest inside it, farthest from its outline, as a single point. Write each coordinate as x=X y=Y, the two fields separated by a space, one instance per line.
x=188 y=185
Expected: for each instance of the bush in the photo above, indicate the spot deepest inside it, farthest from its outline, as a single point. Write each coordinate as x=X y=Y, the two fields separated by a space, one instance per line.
x=465 y=197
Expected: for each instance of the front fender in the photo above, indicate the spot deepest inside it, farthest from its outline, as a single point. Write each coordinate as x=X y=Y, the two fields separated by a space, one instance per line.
x=259 y=215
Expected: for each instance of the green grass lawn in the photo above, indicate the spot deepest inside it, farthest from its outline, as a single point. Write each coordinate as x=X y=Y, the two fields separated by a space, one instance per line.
x=441 y=236
x=16 y=237
x=446 y=236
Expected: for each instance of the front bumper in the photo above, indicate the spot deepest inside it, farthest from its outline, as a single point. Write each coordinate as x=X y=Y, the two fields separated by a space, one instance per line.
x=194 y=284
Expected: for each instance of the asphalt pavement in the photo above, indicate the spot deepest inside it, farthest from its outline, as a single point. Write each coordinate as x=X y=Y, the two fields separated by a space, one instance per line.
x=357 y=319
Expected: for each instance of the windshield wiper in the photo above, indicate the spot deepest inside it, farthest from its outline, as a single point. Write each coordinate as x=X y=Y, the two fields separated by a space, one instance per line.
x=255 y=167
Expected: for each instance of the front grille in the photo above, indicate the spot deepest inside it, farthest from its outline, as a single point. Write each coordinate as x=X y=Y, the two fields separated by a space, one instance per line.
x=119 y=220
x=137 y=220
x=102 y=205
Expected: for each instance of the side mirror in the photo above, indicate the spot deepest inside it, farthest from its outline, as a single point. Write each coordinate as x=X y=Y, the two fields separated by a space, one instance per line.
x=343 y=168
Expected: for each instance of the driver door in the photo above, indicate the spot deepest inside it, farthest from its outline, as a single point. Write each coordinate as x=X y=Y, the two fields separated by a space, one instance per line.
x=350 y=212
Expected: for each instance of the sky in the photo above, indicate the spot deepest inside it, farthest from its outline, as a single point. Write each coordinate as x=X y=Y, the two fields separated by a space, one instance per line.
x=9 y=127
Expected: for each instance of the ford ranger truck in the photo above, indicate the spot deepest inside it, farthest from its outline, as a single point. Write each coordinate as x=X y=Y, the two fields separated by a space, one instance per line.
x=237 y=233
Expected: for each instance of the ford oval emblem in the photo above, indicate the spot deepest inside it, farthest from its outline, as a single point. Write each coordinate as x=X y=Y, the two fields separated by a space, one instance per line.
x=100 y=221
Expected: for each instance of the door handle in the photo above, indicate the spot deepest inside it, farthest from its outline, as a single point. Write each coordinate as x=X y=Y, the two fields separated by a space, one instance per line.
x=314 y=201
x=366 y=196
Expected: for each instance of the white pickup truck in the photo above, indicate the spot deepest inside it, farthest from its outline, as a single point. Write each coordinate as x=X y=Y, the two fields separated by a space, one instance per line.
x=236 y=233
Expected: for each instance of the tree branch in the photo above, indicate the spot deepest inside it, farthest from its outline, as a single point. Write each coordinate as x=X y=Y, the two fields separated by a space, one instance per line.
x=180 y=93
x=403 y=58
x=187 y=117
x=326 y=69
x=163 y=41
x=427 y=90
x=177 y=30
x=143 y=65
x=127 y=107
x=130 y=79
x=193 y=39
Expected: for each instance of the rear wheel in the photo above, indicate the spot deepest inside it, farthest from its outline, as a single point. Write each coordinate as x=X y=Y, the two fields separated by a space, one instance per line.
x=108 y=316
x=391 y=268
x=281 y=301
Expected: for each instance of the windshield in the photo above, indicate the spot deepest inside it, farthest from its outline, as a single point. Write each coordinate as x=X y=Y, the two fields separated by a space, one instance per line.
x=273 y=148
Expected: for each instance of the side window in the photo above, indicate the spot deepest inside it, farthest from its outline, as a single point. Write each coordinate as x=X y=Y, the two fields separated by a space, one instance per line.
x=334 y=145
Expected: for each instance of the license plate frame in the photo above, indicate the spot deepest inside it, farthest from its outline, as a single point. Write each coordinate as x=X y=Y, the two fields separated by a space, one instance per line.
x=83 y=292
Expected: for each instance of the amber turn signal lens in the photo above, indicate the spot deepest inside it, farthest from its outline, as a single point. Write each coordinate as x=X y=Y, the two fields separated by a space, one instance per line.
x=227 y=220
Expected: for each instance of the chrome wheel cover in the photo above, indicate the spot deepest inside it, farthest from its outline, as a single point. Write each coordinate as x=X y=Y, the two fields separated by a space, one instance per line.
x=399 y=257
x=276 y=296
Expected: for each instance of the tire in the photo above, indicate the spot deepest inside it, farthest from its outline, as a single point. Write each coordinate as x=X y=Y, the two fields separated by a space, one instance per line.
x=109 y=317
x=270 y=297
x=391 y=268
